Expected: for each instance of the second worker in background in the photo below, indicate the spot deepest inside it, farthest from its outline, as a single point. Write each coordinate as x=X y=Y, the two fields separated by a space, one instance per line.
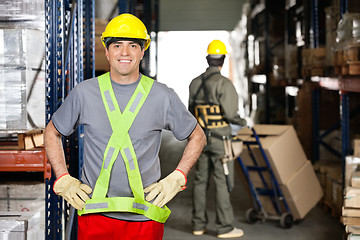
x=213 y=101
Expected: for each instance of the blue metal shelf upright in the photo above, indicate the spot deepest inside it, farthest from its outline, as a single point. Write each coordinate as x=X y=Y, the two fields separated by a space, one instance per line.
x=68 y=61
x=344 y=111
x=317 y=137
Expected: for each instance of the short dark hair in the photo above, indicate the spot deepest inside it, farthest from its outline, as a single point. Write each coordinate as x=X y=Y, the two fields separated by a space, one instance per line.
x=217 y=62
x=110 y=40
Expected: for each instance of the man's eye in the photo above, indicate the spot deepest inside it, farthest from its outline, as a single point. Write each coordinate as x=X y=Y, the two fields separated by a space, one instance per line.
x=133 y=45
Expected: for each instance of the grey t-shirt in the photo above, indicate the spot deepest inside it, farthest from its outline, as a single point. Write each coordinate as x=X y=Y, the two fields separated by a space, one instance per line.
x=161 y=110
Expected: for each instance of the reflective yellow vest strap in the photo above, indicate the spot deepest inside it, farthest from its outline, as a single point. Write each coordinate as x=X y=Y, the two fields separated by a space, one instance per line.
x=126 y=204
x=120 y=142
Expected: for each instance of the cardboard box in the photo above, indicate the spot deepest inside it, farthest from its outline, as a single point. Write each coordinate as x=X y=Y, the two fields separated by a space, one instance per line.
x=304 y=119
x=352 y=164
x=352 y=198
x=324 y=169
x=355 y=179
x=350 y=212
x=352 y=229
x=334 y=189
x=351 y=221
x=282 y=148
x=31 y=139
x=294 y=173
x=331 y=182
x=303 y=191
x=353 y=236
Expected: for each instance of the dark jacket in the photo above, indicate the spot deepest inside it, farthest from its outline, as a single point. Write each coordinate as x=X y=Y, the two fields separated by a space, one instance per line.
x=222 y=92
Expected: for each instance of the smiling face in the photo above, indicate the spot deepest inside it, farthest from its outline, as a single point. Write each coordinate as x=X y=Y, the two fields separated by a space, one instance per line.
x=124 y=58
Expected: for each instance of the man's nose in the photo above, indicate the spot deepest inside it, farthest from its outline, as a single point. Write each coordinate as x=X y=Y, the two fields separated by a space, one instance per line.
x=124 y=50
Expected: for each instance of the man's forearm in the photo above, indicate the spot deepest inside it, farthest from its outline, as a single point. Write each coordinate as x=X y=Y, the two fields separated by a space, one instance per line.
x=54 y=150
x=164 y=190
x=193 y=149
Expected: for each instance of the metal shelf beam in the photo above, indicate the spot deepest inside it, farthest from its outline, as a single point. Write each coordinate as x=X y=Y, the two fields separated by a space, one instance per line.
x=33 y=160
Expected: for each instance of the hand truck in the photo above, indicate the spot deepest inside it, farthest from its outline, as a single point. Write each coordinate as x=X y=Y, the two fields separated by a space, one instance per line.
x=270 y=189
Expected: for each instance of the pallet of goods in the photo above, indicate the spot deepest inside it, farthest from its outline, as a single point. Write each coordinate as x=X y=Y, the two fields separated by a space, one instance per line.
x=25 y=141
x=351 y=204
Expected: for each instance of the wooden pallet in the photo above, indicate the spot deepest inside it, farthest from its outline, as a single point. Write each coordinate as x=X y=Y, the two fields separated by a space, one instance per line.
x=28 y=140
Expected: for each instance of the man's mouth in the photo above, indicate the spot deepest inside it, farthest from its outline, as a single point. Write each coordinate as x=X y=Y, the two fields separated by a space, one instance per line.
x=124 y=61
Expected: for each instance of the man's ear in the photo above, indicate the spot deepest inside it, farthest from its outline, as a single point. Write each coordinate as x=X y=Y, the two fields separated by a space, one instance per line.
x=142 y=53
x=107 y=53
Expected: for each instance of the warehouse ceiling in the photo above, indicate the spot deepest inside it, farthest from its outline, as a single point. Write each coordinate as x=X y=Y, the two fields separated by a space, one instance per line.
x=195 y=15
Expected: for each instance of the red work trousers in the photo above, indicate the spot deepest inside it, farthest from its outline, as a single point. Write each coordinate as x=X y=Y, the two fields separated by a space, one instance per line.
x=99 y=227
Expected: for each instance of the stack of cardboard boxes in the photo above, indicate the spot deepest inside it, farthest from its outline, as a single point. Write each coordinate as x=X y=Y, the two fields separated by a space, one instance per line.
x=351 y=204
x=292 y=170
x=330 y=175
x=313 y=61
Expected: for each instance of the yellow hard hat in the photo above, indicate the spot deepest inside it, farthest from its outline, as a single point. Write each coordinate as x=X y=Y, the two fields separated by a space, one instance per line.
x=217 y=47
x=126 y=26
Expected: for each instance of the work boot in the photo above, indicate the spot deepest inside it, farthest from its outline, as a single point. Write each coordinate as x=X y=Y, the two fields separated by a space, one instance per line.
x=232 y=234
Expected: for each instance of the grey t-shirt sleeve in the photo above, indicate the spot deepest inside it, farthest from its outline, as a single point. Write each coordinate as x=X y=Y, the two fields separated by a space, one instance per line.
x=66 y=118
x=179 y=120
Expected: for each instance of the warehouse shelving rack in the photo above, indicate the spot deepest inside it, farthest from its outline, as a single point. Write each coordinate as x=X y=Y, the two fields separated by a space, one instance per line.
x=345 y=85
x=307 y=13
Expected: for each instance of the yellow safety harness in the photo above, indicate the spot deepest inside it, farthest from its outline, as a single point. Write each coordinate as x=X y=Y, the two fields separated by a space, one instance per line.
x=208 y=115
x=120 y=142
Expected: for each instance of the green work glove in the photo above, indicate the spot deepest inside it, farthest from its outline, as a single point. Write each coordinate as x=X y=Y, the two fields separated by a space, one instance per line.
x=72 y=190
x=166 y=189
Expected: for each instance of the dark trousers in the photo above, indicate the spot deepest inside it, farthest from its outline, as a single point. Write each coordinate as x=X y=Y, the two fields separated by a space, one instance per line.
x=208 y=166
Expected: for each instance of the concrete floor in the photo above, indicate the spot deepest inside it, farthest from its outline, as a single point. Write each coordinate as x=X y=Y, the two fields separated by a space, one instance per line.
x=317 y=225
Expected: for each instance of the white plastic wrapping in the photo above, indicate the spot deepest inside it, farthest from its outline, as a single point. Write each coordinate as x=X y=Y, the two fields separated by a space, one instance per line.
x=20 y=226
x=22 y=85
x=22 y=47
x=22 y=204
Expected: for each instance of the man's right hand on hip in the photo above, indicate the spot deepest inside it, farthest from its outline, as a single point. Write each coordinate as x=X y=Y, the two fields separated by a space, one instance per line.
x=72 y=190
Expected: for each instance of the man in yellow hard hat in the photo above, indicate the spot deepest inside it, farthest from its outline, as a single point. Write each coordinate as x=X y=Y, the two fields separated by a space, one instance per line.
x=123 y=113
x=214 y=102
